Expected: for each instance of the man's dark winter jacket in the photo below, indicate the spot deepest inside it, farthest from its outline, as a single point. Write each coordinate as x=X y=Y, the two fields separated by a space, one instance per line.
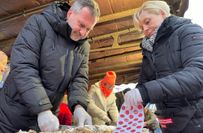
x=172 y=74
x=44 y=63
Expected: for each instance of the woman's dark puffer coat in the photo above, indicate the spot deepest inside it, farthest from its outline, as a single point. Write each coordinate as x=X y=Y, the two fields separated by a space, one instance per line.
x=172 y=75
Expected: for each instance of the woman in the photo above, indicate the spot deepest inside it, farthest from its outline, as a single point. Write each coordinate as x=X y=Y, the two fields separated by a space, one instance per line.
x=172 y=68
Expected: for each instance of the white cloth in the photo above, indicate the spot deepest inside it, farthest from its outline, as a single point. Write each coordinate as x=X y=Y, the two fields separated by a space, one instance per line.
x=119 y=88
x=194 y=11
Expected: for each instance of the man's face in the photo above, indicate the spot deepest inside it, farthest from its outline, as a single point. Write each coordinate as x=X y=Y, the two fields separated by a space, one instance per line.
x=81 y=23
x=149 y=22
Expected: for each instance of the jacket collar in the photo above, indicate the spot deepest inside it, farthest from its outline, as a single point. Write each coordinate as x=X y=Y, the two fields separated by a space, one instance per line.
x=169 y=25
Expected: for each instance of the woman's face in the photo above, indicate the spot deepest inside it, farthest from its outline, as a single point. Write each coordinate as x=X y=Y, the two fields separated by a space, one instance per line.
x=149 y=22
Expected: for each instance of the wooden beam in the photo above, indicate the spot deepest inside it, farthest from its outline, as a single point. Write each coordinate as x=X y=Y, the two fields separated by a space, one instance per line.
x=40 y=8
x=111 y=34
x=23 y=13
x=125 y=70
x=118 y=15
x=118 y=66
x=113 y=52
x=118 y=47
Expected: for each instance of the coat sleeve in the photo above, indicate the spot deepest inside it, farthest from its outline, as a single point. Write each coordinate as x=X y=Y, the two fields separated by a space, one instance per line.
x=25 y=69
x=93 y=109
x=113 y=111
x=188 y=80
x=78 y=87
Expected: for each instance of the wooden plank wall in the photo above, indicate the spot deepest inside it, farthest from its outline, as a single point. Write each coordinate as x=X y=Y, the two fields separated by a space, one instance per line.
x=123 y=57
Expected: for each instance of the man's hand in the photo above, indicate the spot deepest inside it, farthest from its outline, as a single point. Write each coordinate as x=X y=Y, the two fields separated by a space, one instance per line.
x=47 y=121
x=81 y=116
x=132 y=97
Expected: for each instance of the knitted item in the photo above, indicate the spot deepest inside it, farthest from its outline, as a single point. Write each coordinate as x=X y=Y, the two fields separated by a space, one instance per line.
x=147 y=43
x=65 y=115
x=107 y=83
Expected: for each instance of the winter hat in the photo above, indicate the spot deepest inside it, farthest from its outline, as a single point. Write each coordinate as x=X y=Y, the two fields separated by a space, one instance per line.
x=64 y=115
x=107 y=83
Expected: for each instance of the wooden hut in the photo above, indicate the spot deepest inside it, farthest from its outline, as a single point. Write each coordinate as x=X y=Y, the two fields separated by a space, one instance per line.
x=114 y=40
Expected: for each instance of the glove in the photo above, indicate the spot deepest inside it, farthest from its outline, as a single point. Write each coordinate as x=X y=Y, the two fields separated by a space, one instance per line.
x=81 y=116
x=132 y=98
x=47 y=122
x=106 y=119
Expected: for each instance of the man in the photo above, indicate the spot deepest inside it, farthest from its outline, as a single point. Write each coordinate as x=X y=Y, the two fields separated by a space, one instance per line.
x=102 y=106
x=49 y=56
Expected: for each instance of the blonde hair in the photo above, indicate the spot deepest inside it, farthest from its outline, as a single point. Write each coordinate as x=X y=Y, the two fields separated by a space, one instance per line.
x=152 y=7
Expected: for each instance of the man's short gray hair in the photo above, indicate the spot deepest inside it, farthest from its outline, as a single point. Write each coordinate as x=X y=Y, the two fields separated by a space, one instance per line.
x=91 y=4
